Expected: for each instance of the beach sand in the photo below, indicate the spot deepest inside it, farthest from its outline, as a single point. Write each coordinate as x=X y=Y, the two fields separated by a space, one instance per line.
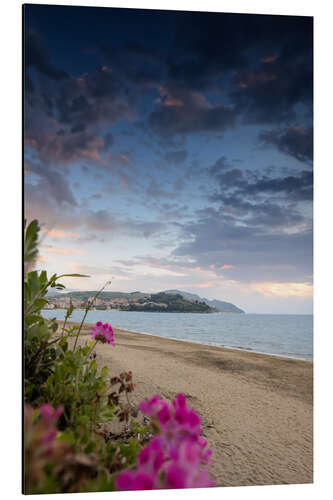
x=256 y=409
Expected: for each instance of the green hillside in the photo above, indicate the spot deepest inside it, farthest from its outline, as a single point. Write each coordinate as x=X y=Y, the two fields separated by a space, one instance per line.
x=138 y=301
x=163 y=302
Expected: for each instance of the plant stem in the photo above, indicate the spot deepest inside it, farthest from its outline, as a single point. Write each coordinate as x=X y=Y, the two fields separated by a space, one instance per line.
x=80 y=327
x=89 y=305
x=64 y=325
x=91 y=350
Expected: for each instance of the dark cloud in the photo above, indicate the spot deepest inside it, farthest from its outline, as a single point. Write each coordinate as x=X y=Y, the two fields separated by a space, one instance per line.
x=108 y=141
x=94 y=223
x=36 y=56
x=61 y=119
x=220 y=165
x=261 y=67
x=261 y=64
x=135 y=64
x=274 y=91
x=255 y=254
x=236 y=188
x=94 y=98
x=297 y=187
x=295 y=141
x=190 y=112
x=52 y=184
x=156 y=190
x=80 y=127
x=176 y=157
x=58 y=146
x=221 y=43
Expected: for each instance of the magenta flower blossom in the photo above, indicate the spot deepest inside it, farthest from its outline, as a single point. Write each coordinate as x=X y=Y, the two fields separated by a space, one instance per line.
x=49 y=414
x=41 y=433
x=177 y=457
x=103 y=333
x=131 y=481
x=150 y=407
x=151 y=456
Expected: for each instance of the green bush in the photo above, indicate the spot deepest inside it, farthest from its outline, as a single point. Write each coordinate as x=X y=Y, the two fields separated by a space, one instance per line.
x=59 y=372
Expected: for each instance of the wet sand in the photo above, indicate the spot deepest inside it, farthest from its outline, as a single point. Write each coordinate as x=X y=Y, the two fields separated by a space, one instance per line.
x=256 y=409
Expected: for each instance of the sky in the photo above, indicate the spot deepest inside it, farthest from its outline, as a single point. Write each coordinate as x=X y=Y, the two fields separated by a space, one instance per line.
x=172 y=150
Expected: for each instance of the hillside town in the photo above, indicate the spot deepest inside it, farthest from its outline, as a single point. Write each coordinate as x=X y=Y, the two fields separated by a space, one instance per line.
x=158 y=302
x=99 y=304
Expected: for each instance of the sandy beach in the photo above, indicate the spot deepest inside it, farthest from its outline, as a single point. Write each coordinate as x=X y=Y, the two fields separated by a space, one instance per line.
x=256 y=409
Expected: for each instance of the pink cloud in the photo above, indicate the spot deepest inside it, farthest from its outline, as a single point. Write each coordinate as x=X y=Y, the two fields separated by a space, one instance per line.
x=203 y=285
x=285 y=290
x=59 y=233
x=172 y=101
x=253 y=79
x=269 y=59
x=61 y=251
x=168 y=100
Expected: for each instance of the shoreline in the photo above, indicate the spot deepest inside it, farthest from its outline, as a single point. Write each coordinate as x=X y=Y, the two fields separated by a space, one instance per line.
x=241 y=349
x=196 y=343
x=255 y=409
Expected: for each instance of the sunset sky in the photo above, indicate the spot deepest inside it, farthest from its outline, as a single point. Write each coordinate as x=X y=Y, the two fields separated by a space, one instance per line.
x=172 y=150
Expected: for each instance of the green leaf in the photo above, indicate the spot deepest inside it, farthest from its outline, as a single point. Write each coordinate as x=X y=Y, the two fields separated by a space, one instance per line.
x=69 y=312
x=31 y=241
x=40 y=303
x=43 y=277
x=73 y=276
x=88 y=449
x=30 y=320
x=67 y=438
x=63 y=343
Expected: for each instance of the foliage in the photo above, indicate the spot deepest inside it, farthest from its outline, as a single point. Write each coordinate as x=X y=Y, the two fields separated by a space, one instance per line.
x=70 y=402
x=77 y=454
x=40 y=346
x=31 y=243
x=43 y=453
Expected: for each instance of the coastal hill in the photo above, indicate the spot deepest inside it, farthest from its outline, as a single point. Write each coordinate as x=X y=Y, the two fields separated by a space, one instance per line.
x=135 y=301
x=220 y=305
x=166 y=301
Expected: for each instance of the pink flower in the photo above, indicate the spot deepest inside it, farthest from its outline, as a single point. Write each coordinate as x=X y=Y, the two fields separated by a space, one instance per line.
x=143 y=481
x=151 y=456
x=164 y=415
x=49 y=436
x=175 y=476
x=124 y=480
x=49 y=414
x=103 y=333
x=130 y=481
x=177 y=457
x=150 y=407
x=187 y=468
x=179 y=401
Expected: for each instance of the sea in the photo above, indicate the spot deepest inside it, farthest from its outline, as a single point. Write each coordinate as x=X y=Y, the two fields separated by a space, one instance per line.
x=286 y=335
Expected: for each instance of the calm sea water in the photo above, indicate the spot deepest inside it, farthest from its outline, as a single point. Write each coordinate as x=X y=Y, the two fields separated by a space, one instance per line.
x=283 y=335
